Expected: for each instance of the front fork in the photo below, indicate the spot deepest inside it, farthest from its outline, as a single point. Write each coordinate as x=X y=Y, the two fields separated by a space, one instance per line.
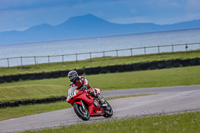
x=83 y=105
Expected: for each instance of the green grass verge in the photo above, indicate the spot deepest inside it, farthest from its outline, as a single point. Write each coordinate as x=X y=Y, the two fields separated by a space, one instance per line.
x=178 y=123
x=39 y=91
x=97 y=62
x=13 y=112
x=138 y=79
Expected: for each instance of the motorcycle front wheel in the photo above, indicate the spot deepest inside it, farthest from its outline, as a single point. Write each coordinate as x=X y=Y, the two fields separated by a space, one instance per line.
x=82 y=113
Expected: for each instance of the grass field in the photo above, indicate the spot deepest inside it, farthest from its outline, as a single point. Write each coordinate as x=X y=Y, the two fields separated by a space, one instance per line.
x=178 y=123
x=98 y=62
x=138 y=79
x=13 y=112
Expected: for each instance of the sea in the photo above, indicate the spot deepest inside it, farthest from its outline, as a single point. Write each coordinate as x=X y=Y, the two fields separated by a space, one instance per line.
x=88 y=48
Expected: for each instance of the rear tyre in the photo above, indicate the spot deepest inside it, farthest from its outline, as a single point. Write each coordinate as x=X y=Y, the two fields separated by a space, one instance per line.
x=108 y=111
x=82 y=113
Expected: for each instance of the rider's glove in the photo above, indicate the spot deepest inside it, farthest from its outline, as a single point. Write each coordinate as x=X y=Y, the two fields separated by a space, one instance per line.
x=84 y=87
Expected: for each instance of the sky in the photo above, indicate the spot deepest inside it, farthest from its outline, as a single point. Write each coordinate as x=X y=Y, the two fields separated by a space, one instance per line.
x=23 y=14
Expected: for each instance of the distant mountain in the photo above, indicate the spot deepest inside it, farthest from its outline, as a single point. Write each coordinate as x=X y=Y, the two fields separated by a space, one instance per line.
x=84 y=27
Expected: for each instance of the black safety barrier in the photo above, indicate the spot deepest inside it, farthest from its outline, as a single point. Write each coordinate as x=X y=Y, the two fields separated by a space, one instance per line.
x=112 y=68
x=23 y=76
x=7 y=78
x=160 y=64
x=64 y=73
x=88 y=71
x=55 y=74
x=96 y=70
x=185 y=62
x=136 y=66
x=47 y=75
x=31 y=76
x=80 y=71
x=120 y=68
x=168 y=63
x=198 y=61
x=15 y=77
x=2 y=79
x=128 y=67
x=32 y=101
x=39 y=76
x=144 y=66
x=153 y=65
x=176 y=62
x=194 y=61
x=105 y=69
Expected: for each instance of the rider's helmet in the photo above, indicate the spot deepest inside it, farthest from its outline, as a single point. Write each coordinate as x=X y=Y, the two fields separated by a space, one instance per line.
x=73 y=75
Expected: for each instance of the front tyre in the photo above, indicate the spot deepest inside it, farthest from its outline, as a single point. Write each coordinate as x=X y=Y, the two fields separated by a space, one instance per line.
x=108 y=112
x=82 y=113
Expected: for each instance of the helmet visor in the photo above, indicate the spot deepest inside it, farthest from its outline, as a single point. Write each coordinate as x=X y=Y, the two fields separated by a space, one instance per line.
x=71 y=77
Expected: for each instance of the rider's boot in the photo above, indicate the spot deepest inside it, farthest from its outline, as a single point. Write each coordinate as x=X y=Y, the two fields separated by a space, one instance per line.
x=101 y=99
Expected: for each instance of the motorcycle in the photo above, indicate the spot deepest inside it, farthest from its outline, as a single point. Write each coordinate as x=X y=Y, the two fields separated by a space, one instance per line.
x=86 y=105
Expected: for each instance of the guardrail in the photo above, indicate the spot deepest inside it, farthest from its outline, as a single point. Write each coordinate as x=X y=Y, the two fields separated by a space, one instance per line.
x=34 y=60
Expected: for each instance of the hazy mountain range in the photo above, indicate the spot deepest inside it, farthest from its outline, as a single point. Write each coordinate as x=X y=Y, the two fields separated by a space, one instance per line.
x=84 y=27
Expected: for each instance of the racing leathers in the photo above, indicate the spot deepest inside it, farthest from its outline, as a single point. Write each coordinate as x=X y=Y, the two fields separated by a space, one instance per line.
x=82 y=84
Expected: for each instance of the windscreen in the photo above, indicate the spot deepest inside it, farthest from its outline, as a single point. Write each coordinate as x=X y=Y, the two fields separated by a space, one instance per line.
x=71 y=90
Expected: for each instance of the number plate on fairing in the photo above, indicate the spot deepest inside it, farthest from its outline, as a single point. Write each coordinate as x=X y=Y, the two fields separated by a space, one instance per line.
x=71 y=95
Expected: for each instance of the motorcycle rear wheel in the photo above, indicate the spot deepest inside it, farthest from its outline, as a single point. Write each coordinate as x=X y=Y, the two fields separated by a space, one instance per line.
x=82 y=113
x=108 y=111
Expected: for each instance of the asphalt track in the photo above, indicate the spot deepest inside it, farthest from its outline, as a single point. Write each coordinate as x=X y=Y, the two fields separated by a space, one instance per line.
x=164 y=100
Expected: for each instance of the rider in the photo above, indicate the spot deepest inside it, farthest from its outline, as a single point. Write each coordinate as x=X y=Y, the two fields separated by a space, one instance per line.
x=83 y=84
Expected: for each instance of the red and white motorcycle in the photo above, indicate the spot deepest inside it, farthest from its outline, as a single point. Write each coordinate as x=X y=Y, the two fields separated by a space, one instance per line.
x=86 y=105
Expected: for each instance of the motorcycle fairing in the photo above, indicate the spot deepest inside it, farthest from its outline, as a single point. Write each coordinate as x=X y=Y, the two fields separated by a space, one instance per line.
x=81 y=95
